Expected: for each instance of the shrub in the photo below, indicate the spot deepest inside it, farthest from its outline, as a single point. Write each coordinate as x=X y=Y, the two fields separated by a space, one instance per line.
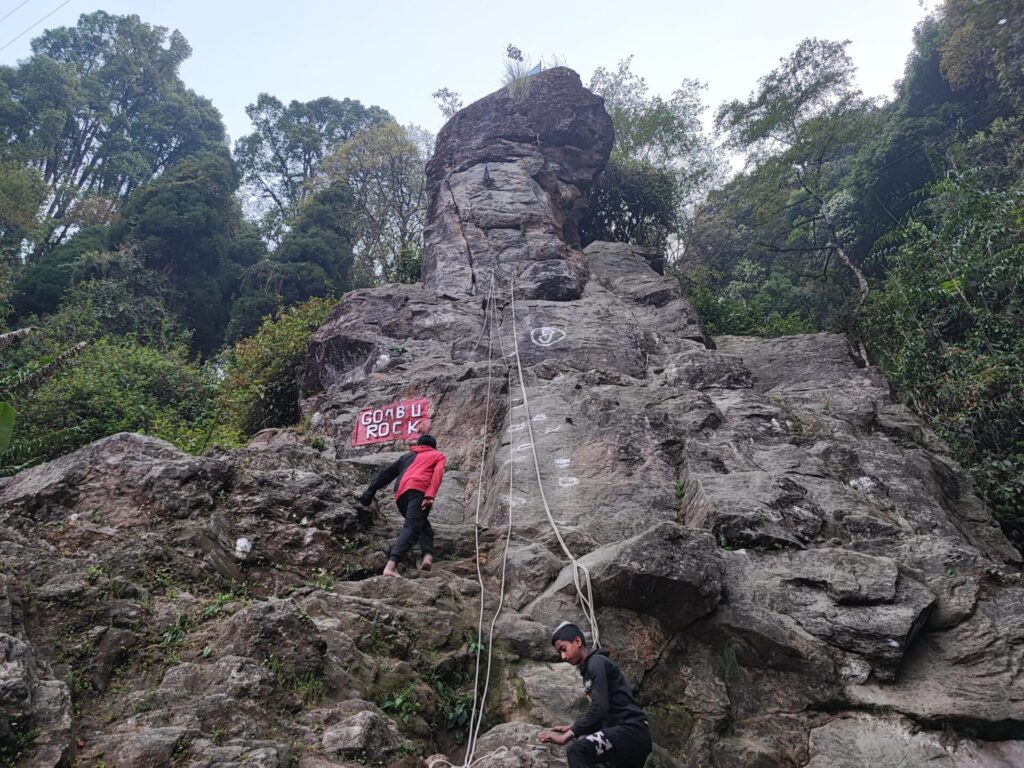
x=261 y=385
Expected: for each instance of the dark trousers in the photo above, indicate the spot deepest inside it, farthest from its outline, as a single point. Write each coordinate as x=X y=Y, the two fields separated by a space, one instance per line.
x=417 y=527
x=621 y=746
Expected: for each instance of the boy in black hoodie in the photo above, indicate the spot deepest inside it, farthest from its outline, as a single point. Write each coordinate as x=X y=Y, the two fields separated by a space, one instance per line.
x=614 y=729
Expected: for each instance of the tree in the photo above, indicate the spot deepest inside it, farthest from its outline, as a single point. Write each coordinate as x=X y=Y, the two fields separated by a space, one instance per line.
x=22 y=192
x=97 y=110
x=985 y=46
x=314 y=259
x=40 y=286
x=183 y=225
x=383 y=170
x=659 y=133
x=798 y=129
x=631 y=202
x=280 y=157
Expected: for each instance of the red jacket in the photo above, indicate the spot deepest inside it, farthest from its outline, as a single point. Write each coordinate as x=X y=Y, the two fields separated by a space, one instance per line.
x=421 y=469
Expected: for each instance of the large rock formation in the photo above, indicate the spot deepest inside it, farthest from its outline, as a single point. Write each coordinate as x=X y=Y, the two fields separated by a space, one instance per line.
x=786 y=563
x=507 y=186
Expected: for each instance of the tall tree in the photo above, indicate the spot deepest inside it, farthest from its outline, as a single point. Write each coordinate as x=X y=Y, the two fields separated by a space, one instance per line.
x=97 y=110
x=985 y=46
x=798 y=129
x=314 y=259
x=661 y=165
x=663 y=133
x=280 y=157
x=383 y=170
x=183 y=225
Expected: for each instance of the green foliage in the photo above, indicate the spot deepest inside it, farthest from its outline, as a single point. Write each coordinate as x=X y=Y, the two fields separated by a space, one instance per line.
x=75 y=112
x=798 y=130
x=662 y=163
x=662 y=133
x=749 y=304
x=18 y=744
x=7 y=414
x=382 y=169
x=116 y=385
x=632 y=202
x=261 y=385
x=281 y=156
x=947 y=325
x=308 y=687
x=22 y=192
x=181 y=225
x=41 y=285
x=456 y=709
x=314 y=260
x=402 y=704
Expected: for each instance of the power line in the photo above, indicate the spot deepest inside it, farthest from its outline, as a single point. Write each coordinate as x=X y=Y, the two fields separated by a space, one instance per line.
x=11 y=42
x=11 y=12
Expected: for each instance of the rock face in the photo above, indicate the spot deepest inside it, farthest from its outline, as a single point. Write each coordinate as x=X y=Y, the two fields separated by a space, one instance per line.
x=507 y=186
x=785 y=563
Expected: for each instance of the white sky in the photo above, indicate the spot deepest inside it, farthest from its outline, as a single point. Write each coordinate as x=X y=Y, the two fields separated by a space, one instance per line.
x=396 y=53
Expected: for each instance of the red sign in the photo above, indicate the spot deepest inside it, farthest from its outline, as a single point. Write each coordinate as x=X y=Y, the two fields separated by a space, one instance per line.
x=404 y=420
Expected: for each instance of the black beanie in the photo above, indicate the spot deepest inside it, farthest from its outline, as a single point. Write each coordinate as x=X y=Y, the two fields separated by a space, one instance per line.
x=427 y=440
x=568 y=632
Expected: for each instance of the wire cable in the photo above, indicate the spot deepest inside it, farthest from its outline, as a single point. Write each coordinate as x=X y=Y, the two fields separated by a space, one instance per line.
x=36 y=24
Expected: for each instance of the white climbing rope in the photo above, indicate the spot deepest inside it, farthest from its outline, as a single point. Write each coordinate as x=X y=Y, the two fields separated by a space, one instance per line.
x=580 y=574
x=480 y=698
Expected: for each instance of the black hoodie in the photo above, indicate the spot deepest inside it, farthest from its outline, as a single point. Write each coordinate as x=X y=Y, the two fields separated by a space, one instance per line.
x=611 y=698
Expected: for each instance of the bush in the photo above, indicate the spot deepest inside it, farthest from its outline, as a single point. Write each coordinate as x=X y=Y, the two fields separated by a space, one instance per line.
x=748 y=306
x=947 y=328
x=631 y=202
x=261 y=385
x=115 y=385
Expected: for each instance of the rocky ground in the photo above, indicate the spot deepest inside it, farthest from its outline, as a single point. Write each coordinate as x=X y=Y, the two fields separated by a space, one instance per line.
x=787 y=565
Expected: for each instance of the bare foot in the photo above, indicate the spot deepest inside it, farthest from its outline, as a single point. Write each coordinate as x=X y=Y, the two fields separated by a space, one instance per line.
x=428 y=562
x=391 y=569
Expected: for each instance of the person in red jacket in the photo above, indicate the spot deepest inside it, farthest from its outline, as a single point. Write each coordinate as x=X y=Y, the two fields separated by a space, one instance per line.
x=417 y=475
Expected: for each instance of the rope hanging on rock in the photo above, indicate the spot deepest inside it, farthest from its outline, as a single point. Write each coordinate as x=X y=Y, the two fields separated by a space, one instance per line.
x=580 y=574
x=480 y=698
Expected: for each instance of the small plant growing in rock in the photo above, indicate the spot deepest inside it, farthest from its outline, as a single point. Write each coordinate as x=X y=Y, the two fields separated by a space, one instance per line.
x=92 y=572
x=308 y=687
x=175 y=633
x=680 y=493
x=516 y=77
x=403 y=704
x=321 y=580
x=217 y=605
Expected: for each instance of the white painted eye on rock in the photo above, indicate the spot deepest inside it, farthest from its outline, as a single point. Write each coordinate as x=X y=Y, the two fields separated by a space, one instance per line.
x=546 y=336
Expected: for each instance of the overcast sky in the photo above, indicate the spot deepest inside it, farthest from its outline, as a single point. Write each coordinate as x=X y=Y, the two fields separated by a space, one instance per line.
x=395 y=54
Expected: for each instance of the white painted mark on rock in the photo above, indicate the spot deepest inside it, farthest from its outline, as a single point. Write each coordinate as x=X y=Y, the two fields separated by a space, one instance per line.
x=546 y=336
x=562 y=463
x=568 y=482
x=540 y=417
x=523 y=446
x=242 y=548
x=517 y=427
